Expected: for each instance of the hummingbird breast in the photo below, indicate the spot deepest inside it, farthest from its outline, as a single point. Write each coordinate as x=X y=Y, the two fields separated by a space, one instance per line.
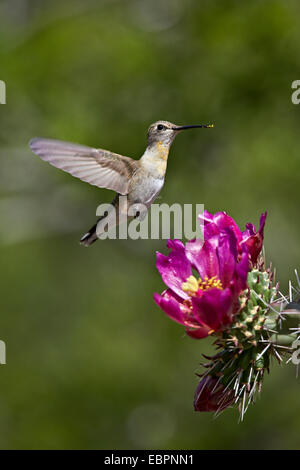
x=146 y=189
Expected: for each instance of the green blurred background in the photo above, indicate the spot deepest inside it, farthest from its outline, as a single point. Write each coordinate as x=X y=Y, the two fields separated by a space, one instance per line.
x=91 y=360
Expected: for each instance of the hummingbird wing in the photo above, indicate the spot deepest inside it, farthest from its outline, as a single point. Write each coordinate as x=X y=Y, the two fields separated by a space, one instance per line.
x=95 y=166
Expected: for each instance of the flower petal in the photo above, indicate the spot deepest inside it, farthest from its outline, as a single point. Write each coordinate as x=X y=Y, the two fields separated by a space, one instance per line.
x=213 y=308
x=175 y=245
x=224 y=221
x=242 y=269
x=203 y=257
x=254 y=240
x=198 y=333
x=209 y=228
x=174 y=268
x=262 y=222
x=227 y=256
x=169 y=303
x=214 y=224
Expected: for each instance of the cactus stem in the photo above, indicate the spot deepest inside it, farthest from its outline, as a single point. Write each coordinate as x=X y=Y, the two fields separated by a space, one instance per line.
x=265 y=326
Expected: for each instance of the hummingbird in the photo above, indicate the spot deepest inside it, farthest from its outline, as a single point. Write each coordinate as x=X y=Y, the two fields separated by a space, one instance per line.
x=139 y=180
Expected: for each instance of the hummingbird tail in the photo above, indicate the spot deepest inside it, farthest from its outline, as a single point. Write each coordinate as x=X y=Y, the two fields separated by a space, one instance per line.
x=89 y=237
x=110 y=219
x=93 y=234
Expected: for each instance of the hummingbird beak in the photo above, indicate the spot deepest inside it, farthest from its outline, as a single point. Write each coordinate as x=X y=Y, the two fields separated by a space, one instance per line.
x=181 y=128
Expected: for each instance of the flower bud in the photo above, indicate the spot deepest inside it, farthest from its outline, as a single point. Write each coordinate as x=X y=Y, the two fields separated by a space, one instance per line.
x=211 y=395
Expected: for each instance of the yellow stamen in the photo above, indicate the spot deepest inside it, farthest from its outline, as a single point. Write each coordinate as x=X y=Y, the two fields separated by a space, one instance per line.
x=209 y=283
x=191 y=285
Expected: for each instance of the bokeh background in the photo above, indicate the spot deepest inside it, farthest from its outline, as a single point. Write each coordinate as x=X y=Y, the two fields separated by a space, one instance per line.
x=91 y=360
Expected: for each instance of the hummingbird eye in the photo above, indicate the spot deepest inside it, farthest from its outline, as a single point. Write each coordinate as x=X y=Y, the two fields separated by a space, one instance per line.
x=160 y=127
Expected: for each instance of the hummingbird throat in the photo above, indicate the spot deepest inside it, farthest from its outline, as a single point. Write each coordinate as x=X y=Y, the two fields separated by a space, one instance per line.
x=155 y=159
x=162 y=150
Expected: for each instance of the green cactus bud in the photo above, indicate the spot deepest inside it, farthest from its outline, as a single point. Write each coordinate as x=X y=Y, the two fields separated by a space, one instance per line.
x=259 y=362
x=282 y=339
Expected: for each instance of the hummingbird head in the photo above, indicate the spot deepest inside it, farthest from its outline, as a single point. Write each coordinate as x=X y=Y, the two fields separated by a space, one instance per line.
x=164 y=132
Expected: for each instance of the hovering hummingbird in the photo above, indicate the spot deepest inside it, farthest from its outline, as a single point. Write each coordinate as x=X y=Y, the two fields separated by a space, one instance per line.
x=140 y=180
